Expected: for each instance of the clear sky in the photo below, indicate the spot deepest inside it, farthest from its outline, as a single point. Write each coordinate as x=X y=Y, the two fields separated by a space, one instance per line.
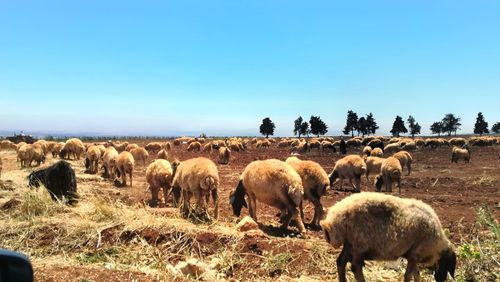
x=220 y=67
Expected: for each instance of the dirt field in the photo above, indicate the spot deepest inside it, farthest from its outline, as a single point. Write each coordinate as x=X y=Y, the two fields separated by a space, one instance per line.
x=455 y=191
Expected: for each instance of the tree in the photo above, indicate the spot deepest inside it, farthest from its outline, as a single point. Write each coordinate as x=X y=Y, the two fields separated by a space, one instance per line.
x=398 y=126
x=437 y=128
x=351 y=123
x=371 y=124
x=318 y=127
x=496 y=127
x=304 y=129
x=267 y=127
x=363 y=126
x=451 y=124
x=414 y=126
x=296 y=126
x=481 y=125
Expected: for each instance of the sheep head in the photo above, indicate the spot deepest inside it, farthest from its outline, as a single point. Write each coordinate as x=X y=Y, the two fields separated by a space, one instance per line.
x=446 y=264
x=333 y=176
x=379 y=181
x=33 y=180
x=237 y=199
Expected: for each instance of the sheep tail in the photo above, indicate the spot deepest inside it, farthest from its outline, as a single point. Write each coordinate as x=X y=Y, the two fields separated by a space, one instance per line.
x=210 y=182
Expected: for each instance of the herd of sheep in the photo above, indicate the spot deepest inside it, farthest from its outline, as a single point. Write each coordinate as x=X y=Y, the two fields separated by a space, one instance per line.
x=369 y=225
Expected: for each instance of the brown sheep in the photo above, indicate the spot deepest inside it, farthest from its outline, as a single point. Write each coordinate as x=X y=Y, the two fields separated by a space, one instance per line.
x=159 y=174
x=109 y=162
x=375 y=226
x=162 y=154
x=194 y=146
x=154 y=147
x=315 y=182
x=29 y=153
x=392 y=148
x=73 y=147
x=167 y=146
x=140 y=154
x=367 y=151
x=130 y=147
x=197 y=177
x=208 y=147
x=373 y=165
x=124 y=165
x=92 y=159
x=377 y=152
x=224 y=155
x=274 y=183
x=390 y=172
x=120 y=147
x=350 y=167
x=405 y=160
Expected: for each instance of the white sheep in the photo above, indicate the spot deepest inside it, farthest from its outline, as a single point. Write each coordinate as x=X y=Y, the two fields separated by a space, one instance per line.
x=405 y=159
x=373 y=165
x=459 y=153
x=390 y=172
x=92 y=159
x=124 y=165
x=392 y=148
x=375 y=226
x=159 y=174
x=350 y=167
x=224 y=155
x=140 y=154
x=377 y=152
x=109 y=162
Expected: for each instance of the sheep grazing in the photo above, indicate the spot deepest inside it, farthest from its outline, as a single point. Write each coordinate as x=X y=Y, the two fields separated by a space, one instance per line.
x=56 y=149
x=162 y=154
x=154 y=147
x=120 y=147
x=459 y=153
x=377 y=152
x=194 y=146
x=224 y=155
x=28 y=153
x=392 y=148
x=124 y=165
x=92 y=159
x=314 y=144
x=390 y=172
x=350 y=167
x=373 y=165
x=405 y=160
x=315 y=182
x=109 y=162
x=376 y=143
x=374 y=226
x=167 y=146
x=73 y=147
x=367 y=151
x=207 y=147
x=159 y=174
x=130 y=147
x=328 y=145
x=197 y=177
x=7 y=145
x=58 y=178
x=263 y=144
x=44 y=145
x=410 y=146
x=140 y=154
x=274 y=183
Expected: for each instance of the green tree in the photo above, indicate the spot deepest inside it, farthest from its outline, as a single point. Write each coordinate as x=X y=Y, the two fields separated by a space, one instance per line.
x=318 y=127
x=398 y=126
x=451 y=124
x=414 y=126
x=496 y=127
x=437 y=128
x=304 y=128
x=267 y=127
x=363 y=126
x=296 y=126
x=351 y=123
x=481 y=126
x=371 y=124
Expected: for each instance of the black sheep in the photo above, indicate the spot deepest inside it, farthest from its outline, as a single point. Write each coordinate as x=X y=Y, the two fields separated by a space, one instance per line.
x=59 y=179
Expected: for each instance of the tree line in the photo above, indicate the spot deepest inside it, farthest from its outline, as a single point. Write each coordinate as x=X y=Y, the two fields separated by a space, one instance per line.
x=366 y=125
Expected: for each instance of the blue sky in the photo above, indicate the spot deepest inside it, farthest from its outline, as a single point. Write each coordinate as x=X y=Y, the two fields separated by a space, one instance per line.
x=220 y=67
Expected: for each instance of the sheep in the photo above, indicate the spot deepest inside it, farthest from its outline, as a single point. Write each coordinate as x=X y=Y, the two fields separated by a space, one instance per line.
x=159 y=174
x=162 y=154
x=301 y=147
x=410 y=146
x=353 y=142
x=197 y=177
x=124 y=164
x=120 y=147
x=7 y=145
x=390 y=172
x=315 y=182
x=374 y=226
x=73 y=147
x=29 y=153
x=284 y=143
x=109 y=162
x=373 y=165
x=263 y=144
x=377 y=152
x=102 y=149
x=92 y=159
x=274 y=183
x=140 y=154
x=57 y=149
x=367 y=151
x=208 y=147
x=59 y=179
x=350 y=167
x=458 y=153
x=328 y=145
x=224 y=155
x=392 y=148
x=167 y=146
x=130 y=147
x=44 y=145
x=236 y=146
x=376 y=143
x=314 y=144
x=342 y=147
x=194 y=146
x=153 y=147
x=405 y=160
x=23 y=155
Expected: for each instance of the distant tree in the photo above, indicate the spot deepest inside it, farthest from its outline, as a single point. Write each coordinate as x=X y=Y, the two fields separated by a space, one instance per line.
x=398 y=126
x=296 y=126
x=437 y=128
x=414 y=126
x=371 y=124
x=363 y=126
x=267 y=127
x=481 y=125
x=451 y=124
x=318 y=127
x=351 y=123
x=496 y=127
x=203 y=135
x=304 y=128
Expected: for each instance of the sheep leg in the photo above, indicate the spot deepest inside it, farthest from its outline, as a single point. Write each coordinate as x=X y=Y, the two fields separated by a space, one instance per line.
x=215 y=198
x=411 y=270
x=357 y=181
x=124 y=178
x=165 y=193
x=342 y=261
x=154 y=196
x=301 y=208
x=341 y=183
x=131 y=171
x=357 y=268
x=252 y=207
x=187 y=198
x=300 y=223
x=408 y=166
x=318 y=211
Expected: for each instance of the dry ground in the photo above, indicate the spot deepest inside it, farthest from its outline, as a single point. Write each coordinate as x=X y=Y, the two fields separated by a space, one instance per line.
x=112 y=235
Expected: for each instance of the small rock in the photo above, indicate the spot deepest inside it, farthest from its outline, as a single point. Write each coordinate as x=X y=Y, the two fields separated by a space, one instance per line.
x=246 y=224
